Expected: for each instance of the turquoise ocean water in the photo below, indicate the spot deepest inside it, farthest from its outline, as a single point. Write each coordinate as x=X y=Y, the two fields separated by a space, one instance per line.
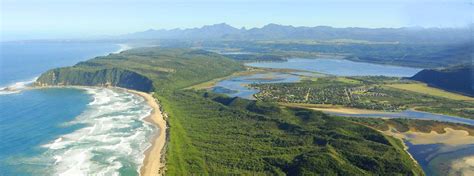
x=66 y=131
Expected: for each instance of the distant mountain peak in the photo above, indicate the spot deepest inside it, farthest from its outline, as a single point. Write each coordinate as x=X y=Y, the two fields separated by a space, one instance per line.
x=274 y=25
x=219 y=26
x=222 y=25
x=277 y=31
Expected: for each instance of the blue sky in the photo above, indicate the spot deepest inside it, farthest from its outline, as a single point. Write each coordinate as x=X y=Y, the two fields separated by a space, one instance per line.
x=33 y=19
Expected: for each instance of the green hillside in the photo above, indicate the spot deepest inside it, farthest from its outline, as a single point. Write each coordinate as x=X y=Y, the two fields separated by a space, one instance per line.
x=456 y=79
x=162 y=69
x=218 y=135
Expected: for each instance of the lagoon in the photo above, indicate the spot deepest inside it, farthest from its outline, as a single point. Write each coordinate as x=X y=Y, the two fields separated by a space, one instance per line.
x=411 y=114
x=237 y=86
x=339 y=67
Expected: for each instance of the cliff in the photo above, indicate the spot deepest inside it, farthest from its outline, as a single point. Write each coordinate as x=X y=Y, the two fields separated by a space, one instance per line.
x=100 y=77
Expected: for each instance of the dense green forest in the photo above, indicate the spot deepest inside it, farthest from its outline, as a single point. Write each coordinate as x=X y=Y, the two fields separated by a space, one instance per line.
x=222 y=135
x=213 y=134
x=361 y=92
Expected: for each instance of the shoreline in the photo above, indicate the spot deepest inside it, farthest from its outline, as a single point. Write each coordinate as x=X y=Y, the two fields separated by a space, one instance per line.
x=411 y=113
x=152 y=163
x=335 y=108
x=17 y=87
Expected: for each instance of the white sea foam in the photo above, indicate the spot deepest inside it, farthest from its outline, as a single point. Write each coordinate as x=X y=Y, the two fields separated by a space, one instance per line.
x=114 y=138
x=16 y=87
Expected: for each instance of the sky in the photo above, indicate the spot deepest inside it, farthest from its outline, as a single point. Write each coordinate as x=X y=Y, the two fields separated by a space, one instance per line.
x=44 y=19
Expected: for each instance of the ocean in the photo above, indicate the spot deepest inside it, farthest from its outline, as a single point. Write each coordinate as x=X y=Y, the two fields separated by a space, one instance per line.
x=67 y=131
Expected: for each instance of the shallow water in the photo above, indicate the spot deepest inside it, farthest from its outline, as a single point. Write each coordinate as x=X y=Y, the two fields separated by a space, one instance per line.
x=438 y=164
x=434 y=160
x=422 y=153
x=410 y=114
x=339 y=67
x=237 y=86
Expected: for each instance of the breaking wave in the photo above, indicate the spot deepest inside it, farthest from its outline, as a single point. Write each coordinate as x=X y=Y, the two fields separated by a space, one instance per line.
x=16 y=87
x=112 y=141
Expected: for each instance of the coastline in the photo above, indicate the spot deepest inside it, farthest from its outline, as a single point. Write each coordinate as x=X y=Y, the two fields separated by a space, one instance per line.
x=153 y=164
x=17 y=87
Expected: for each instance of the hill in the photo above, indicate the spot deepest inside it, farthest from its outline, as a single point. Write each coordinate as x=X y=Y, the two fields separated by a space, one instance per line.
x=456 y=79
x=144 y=69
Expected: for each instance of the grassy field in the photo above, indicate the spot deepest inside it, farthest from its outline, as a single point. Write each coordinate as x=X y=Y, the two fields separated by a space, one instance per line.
x=425 y=89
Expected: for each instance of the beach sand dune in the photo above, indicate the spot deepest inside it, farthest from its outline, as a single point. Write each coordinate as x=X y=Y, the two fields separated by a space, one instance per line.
x=463 y=166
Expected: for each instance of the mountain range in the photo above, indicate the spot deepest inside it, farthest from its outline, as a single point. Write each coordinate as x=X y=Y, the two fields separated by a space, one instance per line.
x=224 y=31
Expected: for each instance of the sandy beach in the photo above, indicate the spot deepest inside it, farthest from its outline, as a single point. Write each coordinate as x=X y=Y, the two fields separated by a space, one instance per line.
x=452 y=140
x=451 y=137
x=153 y=164
x=333 y=108
x=463 y=166
x=347 y=110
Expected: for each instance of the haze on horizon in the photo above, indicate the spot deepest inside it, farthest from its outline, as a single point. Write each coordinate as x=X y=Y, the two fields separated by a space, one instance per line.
x=54 y=19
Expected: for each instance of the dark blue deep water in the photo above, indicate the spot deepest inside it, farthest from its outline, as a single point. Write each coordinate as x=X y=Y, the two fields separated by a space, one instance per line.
x=23 y=61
